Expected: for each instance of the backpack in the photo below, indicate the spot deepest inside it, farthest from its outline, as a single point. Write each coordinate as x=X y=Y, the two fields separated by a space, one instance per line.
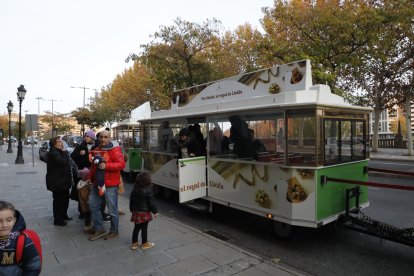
x=20 y=245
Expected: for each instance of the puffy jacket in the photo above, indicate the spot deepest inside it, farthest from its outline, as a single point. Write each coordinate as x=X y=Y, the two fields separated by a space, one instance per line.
x=142 y=199
x=82 y=161
x=31 y=259
x=58 y=173
x=115 y=162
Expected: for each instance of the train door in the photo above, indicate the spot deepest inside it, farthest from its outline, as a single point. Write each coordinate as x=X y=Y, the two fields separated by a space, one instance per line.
x=192 y=169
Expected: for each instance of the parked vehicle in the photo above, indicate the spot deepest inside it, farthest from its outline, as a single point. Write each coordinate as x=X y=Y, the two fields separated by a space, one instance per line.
x=30 y=139
x=44 y=150
x=74 y=140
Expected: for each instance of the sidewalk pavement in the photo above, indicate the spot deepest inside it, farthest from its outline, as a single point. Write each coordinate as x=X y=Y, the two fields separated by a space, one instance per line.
x=391 y=154
x=180 y=249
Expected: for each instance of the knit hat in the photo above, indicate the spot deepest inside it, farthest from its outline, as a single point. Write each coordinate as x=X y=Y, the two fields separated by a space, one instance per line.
x=83 y=173
x=97 y=159
x=91 y=134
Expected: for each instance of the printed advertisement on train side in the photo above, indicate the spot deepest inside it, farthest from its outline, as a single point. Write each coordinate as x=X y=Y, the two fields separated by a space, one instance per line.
x=192 y=172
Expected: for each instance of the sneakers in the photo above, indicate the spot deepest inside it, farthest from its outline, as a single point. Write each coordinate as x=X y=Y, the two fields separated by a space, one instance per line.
x=135 y=245
x=97 y=235
x=148 y=245
x=111 y=235
x=106 y=218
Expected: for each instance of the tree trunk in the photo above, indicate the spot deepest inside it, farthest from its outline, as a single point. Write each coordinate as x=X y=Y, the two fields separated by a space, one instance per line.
x=408 y=123
x=377 y=114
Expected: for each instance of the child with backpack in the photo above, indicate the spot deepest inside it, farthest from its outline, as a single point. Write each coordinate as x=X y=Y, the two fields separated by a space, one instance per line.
x=20 y=249
x=141 y=205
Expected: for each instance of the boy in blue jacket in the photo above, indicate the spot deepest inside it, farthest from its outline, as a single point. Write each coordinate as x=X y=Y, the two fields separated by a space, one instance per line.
x=11 y=223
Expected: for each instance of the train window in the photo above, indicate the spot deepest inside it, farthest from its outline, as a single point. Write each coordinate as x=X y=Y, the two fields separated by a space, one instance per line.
x=344 y=140
x=246 y=136
x=160 y=136
x=301 y=137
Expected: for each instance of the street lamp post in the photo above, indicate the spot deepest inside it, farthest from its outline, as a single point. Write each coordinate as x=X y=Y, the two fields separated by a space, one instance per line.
x=84 y=92
x=21 y=92
x=38 y=105
x=9 y=109
x=53 y=125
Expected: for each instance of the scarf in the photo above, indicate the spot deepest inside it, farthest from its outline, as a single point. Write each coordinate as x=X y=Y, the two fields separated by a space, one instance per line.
x=5 y=241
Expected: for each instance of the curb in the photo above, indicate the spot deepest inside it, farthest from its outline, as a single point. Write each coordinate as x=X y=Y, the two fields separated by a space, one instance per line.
x=271 y=262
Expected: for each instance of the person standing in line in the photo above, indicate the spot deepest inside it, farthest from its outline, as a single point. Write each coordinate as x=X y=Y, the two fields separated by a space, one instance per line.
x=141 y=205
x=11 y=223
x=114 y=163
x=81 y=157
x=59 y=180
x=81 y=152
x=105 y=216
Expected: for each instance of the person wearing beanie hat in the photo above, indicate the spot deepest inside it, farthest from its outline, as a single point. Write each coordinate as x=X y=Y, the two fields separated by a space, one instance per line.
x=91 y=134
x=81 y=157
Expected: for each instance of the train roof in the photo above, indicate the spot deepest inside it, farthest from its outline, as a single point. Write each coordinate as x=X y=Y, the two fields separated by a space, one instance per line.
x=287 y=85
x=142 y=112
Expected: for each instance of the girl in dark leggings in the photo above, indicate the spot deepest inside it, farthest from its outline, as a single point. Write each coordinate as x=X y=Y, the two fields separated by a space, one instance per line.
x=141 y=205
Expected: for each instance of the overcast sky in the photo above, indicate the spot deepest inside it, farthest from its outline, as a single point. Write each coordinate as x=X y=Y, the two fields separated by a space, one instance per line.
x=51 y=45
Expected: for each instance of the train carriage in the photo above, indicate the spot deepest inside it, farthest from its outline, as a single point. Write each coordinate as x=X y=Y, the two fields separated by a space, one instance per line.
x=128 y=135
x=270 y=136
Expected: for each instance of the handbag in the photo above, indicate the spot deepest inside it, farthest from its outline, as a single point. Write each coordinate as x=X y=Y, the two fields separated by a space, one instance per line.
x=74 y=193
x=75 y=176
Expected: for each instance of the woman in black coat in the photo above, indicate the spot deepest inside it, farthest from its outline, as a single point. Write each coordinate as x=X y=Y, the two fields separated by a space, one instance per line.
x=59 y=180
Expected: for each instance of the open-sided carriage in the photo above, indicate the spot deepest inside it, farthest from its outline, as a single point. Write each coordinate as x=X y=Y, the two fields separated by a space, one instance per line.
x=272 y=140
x=128 y=135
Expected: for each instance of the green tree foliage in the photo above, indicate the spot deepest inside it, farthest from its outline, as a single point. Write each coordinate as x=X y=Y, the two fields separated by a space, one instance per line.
x=178 y=56
x=102 y=109
x=58 y=121
x=175 y=55
x=356 y=46
x=330 y=33
x=83 y=116
x=384 y=68
x=4 y=124
x=363 y=49
x=238 y=52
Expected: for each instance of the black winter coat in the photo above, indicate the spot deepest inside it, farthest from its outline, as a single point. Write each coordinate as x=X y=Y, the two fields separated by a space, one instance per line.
x=82 y=161
x=142 y=200
x=193 y=146
x=58 y=173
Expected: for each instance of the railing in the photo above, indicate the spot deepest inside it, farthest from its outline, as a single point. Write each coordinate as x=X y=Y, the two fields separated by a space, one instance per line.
x=390 y=143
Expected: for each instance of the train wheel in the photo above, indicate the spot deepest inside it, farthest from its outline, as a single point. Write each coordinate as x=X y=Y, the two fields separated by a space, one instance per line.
x=282 y=230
